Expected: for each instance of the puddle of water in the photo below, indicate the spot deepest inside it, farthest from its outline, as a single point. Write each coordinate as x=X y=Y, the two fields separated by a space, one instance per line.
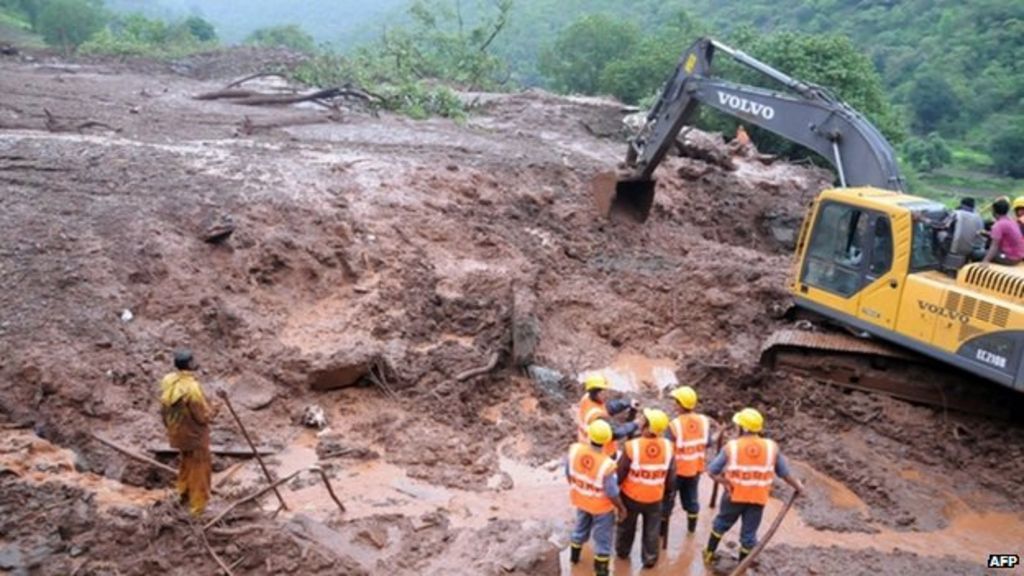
x=633 y=372
x=838 y=493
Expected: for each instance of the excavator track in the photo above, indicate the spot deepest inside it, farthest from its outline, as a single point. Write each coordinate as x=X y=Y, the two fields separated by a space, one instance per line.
x=874 y=366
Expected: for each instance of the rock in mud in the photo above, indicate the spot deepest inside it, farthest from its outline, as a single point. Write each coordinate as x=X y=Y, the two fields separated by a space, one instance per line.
x=709 y=147
x=217 y=227
x=313 y=417
x=252 y=391
x=547 y=379
x=340 y=370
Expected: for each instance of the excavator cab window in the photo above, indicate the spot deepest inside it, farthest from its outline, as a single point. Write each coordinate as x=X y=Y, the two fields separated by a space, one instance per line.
x=850 y=247
x=925 y=251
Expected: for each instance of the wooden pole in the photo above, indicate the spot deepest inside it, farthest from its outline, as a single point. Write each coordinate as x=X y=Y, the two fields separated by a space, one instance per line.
x=745 y=565
x=227 y=402
x=714 y=490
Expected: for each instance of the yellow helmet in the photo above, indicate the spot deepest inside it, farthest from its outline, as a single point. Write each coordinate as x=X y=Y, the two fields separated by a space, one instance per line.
x=657 y=420
x=595 y=381
x=599 y=432
x=749 y=419
x=686 y=396
x=1018 y=202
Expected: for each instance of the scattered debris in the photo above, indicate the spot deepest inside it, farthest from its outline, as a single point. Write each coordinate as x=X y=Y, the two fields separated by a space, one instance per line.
x=313 y=416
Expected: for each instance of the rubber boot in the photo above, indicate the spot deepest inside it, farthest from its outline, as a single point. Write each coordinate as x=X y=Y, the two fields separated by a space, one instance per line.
x=691 y=523
x=601 y=566
x=744 y=552
x=574 y=553
x=713 y=541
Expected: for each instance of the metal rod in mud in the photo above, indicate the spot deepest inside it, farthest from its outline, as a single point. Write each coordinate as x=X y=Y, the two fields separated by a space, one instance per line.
x=714 y=489
x=745 y=565
x=251 y=497
x=227 y=402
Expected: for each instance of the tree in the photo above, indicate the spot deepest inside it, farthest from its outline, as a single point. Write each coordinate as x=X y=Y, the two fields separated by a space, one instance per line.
x=927 y=154
x=576 y=60
x=826 y=60
x=1007 y=147
x=932 y=101
x=200 y=29
x=68 y=23
x=642 y=71
x=286 y=36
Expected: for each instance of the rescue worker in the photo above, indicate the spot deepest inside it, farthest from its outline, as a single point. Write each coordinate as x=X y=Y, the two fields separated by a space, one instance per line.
x=746 y=467
x=594 y=492
x=1018 y=211
x=186 y=415
x=647 y=473
x=594 y=406
x=690 y=434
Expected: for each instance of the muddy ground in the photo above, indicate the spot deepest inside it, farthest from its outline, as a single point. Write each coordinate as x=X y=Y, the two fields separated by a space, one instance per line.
x=431 y=246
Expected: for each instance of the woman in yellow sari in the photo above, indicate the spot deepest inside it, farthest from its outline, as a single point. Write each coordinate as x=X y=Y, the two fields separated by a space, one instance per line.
x=187 y=415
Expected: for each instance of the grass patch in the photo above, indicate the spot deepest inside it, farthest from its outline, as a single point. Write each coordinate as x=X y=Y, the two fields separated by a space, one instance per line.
x=17 y=32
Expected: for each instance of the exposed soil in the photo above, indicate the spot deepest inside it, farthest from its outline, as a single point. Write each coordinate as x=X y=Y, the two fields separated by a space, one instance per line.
x=427 y=247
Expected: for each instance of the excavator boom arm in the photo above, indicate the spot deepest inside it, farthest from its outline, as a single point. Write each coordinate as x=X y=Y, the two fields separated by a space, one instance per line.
x=808 y=115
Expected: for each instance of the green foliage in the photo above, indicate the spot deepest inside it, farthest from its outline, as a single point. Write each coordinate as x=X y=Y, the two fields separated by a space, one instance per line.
x=200 y=29
x=1007 y=147
x=578 y=58
x=641 y=72
x=286 y=36
x=69 y=23
x=136 y=35
x=932 y=101
x=444 y=43
x=927 y=154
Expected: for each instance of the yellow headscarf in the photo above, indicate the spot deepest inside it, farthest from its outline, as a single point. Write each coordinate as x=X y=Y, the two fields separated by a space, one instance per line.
x=178 y=385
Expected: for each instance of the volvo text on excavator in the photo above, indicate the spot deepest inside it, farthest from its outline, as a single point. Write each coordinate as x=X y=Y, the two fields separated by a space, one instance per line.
x=869 y=257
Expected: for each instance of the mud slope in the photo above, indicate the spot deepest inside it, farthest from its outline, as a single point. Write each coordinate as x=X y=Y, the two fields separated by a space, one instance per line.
x=431 y=246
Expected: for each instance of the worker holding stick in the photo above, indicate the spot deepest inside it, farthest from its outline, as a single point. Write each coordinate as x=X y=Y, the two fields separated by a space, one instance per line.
x=746 y=468
x=187 y=415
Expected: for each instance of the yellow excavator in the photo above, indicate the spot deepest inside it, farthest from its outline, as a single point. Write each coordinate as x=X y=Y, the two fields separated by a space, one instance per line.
x=868 y=257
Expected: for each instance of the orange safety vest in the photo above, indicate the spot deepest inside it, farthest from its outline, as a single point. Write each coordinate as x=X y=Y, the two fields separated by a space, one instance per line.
x=750 y=467
x=588 y=470
x=649 y=461
x=588 y=412
x=690 y=432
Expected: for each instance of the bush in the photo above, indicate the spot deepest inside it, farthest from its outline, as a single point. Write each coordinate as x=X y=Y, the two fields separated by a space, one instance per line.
x=69 y=23
x=200 y=29
x=287 y=36
x=927 y=154
x=136 y=35
x=1007 y=147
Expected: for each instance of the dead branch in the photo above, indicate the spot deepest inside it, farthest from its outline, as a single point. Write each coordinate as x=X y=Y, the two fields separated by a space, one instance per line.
x=54 y=125
x=257 y=494
x=251 y=98
x=330 y=489
x=132 y=454
x=241 y=81
x=491 y=364
x=251 y=497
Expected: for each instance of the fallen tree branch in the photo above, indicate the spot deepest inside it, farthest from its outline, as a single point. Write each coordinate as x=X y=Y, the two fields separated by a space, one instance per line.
x=252 y=98
x=132 y=454
x=257 y=494
x=491 y=365
x=241 y=81
x=54 y=125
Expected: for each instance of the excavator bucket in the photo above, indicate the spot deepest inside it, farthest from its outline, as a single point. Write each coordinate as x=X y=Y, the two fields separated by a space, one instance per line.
x=623 y=200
